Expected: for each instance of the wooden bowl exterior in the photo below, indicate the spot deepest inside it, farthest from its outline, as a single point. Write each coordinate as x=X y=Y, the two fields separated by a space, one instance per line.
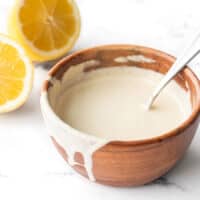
x=136 y=162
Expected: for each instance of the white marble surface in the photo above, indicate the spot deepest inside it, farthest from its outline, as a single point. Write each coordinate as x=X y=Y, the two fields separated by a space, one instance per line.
x=31 y=168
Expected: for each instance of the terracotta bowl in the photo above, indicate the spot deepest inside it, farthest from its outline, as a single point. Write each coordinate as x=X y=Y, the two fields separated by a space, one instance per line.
x=129 y=163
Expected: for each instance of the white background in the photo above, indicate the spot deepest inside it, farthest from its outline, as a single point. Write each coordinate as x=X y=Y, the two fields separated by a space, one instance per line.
x=31 y=168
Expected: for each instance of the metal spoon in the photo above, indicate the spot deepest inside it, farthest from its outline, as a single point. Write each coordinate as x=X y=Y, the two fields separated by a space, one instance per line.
x=191 y=51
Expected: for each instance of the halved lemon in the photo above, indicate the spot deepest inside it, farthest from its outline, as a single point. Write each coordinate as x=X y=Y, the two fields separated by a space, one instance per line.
x=16 y=75
x=47 y=29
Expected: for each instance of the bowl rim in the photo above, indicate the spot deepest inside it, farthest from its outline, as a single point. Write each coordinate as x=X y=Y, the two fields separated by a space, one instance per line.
x=167 y=135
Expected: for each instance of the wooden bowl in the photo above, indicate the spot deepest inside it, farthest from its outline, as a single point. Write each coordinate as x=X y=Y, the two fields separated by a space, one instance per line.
x=132 y=163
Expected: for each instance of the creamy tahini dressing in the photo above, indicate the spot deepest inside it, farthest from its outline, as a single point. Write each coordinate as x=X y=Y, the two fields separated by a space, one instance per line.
x=109 y=104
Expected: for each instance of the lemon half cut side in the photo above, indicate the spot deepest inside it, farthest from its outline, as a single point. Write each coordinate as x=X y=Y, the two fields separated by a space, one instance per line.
x=47 y=29
x=16 y=75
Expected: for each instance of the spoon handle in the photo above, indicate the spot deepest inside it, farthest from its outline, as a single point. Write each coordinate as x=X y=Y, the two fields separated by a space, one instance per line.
x=188 y=54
